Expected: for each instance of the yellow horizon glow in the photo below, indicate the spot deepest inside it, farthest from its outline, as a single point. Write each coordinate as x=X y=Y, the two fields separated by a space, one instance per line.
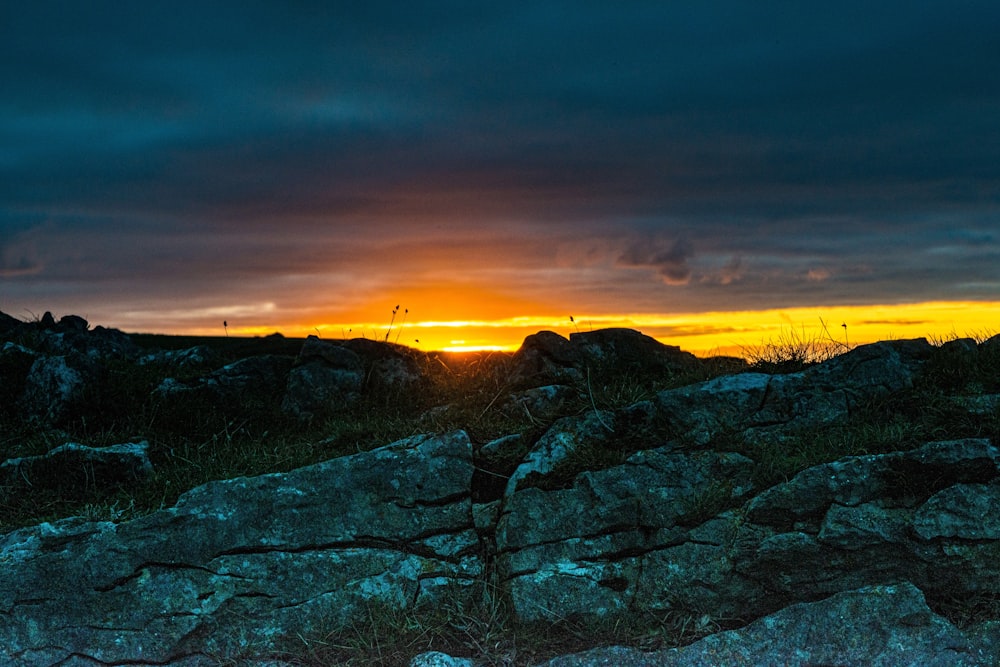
x=704 y=334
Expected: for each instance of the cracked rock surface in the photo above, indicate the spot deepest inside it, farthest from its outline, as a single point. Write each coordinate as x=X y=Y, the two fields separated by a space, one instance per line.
x=237 y=565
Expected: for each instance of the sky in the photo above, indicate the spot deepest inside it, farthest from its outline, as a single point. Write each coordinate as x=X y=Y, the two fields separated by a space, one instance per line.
x=713 y=173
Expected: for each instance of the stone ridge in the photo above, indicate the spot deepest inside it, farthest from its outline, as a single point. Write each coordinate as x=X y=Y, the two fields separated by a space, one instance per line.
x=238 y=565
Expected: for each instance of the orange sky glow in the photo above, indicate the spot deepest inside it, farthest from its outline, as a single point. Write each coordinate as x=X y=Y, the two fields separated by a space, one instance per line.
x=463 y=325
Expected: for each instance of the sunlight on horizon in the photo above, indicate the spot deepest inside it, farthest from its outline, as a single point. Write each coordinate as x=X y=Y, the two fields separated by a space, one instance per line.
x=704 y=334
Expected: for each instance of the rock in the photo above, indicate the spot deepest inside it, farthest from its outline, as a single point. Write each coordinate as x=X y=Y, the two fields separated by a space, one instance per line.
x=252 y=377
x=766 y=406
x=326 y=378
x=546 y=358
x=629 y=350
x=438 y=659
x=564 y=439
x=879 y=625
x=387 y=366
x=543 y=402
x=54 y=387
x=869 y=519
x=991 y=346
x=698 y=413
x=651 y=511
x=73 y=336
x=243 y=566
x=965 y=511
x=197 y=357
x=504 y=447
x=8 y=323
x=73 y=323
x=329 y=376
x=655 y=532
x=617 y=536
x=76 y=469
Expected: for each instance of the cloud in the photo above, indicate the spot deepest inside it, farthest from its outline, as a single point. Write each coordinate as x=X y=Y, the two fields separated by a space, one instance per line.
x=668 y=258
x=329 y=151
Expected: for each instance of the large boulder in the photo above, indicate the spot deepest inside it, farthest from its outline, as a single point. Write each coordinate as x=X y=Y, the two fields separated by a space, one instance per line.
x=769 y=406
x=630 y=350
x=874 y=626
x=72 y=335
x=627 y=535
x=55 y=387
x=326 y=378
x=8 y=323
x=253 y=377
x=329 y=376
x=686 y=529
x=244 y=566
x=547 y=358
x=387 y=366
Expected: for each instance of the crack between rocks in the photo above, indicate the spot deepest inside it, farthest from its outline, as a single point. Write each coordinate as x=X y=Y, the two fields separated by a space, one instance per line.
x=439 y=502
x=75 y=655
x=613 y=530
x=27 y=602
x=638 y=553
x=359 y=542
x=767 y=395
x=137 y=572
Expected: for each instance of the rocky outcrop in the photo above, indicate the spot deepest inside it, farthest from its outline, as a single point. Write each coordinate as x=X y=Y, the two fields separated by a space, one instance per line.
x=238 y=567
x=74 y=469
x=760 y=405
x=55 y=386
x=876 y=625
x=548 y=358
x=262 y=375
x=328 y=376
x=305 y=551
x=67 y=358
x=674 y=529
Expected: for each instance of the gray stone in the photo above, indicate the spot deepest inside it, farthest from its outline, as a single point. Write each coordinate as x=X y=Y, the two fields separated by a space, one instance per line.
x=200 y=356
x=237 y=566
x=438 y=659
x=618 y=535
x=966 y=511
x=564 y=439
x=765 y=406
x=698 y=413
x=541 y=402
x=387 y=365
x=74 y=469
x=886 y=626
x=53 y=387
x=546 y=358
x=628 y=349
x=256 y=376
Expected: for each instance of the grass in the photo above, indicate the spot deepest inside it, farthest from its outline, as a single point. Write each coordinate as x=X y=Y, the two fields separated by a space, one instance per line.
x=794 y=350
x=195 y=442
x=484 y=629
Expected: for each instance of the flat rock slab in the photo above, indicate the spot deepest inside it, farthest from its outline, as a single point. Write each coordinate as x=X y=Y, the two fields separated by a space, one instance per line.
x=238 y=566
